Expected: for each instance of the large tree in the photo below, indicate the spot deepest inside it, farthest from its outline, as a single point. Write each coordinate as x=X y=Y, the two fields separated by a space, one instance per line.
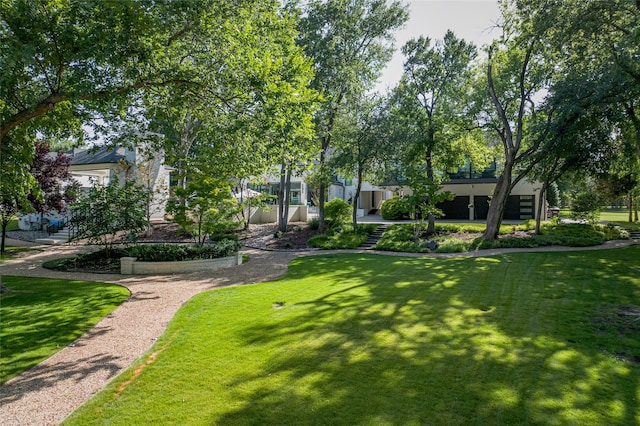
x=594 y=94
x=349 y=41
x=64 y=63
x=430 y=106
x=361 y=144
x=517 y=71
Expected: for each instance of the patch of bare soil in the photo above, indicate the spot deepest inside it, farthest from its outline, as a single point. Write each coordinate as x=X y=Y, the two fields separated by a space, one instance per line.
x=618 y=319
x=166 y=232
x=622 y=321
x=296 y=237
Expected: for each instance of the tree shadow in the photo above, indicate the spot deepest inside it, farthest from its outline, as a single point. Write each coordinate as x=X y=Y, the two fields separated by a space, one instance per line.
x=41 y=377
x=500 y=340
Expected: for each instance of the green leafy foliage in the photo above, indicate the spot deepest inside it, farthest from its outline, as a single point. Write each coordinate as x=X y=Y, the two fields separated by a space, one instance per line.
x=394 y=209
x=205 y=207
x=346 y=238
x=167 y=252
x=587 y=205
x=401 y=237
x=16 y=183
x=103 y=211
x=337 y=212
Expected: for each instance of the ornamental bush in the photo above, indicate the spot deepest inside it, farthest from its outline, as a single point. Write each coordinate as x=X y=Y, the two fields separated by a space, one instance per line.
x=337 y=211
x=172 y=253
x=394 y=209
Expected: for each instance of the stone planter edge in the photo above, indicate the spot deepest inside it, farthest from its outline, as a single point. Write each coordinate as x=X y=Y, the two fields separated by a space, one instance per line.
x=131 y=266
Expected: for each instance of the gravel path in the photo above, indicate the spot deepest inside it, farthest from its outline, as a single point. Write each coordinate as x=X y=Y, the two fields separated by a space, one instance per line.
x=49 y=392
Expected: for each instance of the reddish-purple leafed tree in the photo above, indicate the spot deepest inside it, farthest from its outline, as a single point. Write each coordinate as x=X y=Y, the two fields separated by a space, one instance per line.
x=51 y=170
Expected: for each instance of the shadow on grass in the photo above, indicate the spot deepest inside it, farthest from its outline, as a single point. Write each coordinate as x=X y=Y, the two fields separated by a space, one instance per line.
x=502 y=340
x=42 y=316
x=41 y=377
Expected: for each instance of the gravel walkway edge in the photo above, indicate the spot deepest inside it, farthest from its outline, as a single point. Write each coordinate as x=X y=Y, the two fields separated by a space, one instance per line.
x=49 y=392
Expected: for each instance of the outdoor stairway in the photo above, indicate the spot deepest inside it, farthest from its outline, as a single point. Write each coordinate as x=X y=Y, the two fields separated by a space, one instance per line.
x=374 y=237
x=635 y=235
x=60 y=237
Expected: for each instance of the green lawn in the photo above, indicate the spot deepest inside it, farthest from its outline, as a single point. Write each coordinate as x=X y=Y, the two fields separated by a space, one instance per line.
x=353 y=339
x=11 y=251
x=41 y=316
x=620 y=217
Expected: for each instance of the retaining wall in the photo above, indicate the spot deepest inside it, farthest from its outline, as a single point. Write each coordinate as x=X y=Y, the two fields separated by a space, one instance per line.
x=131 y=266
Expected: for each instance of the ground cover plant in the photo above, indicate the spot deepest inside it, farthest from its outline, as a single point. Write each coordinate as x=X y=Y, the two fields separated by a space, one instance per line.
x=455 y=238
x=344 y=237
x=355 y=339
x=41 y=316
x=109 y=262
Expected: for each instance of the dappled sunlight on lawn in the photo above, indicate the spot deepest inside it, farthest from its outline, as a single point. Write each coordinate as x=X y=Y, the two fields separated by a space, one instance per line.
x=354 y=339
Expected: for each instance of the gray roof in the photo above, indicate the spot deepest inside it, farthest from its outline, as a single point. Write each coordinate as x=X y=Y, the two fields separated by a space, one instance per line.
x=103 y=155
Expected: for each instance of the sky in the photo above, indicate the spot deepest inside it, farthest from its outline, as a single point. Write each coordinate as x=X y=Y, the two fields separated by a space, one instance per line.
x=471 y=20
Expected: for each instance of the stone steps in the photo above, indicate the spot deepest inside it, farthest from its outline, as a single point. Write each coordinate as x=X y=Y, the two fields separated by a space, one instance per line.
x=60 y=237
x=374 y=237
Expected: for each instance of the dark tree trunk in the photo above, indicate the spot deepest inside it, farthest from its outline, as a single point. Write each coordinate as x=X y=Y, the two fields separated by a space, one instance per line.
x=287 y=197
x=498 y=203
x=282 y=226
x=4 y=234
x=356 y=197
x=545 y=186
x=431 y=227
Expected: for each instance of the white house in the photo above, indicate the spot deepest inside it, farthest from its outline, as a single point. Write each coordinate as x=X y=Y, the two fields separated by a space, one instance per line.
x=100 y=166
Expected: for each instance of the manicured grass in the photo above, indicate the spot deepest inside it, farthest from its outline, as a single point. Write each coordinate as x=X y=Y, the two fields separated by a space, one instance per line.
x=354 y=339
x=11 y=251
x=619 y=217
x=41 y=316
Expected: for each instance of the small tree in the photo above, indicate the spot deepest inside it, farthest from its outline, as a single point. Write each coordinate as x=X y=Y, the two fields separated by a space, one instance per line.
x=421 y=204
x=51 y=170
x=208 y=207
x=337 y=212
x=587 y=205
x=16 y=184
x=105 y=210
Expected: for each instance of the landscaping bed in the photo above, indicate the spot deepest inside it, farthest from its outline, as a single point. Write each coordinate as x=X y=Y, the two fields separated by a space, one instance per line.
x=457 y=238
x=102 y=261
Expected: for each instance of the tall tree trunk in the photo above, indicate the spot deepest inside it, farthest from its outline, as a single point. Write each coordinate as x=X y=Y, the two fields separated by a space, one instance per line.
x=356 y=197
x=543 y=190
x=431 y=227
x=4 y=234
x=630 y=206
x=498 y=203
x=287 y=197
x=282 y=226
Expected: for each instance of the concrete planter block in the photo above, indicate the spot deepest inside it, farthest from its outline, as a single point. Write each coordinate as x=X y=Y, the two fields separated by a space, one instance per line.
x=131 y=266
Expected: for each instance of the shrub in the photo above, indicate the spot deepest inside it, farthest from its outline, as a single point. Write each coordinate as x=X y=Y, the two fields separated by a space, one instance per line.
x=587 y=206
x=169 y=253
x=394 y=209
x=337 y=211
x=346 y=239
x=314 y=224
